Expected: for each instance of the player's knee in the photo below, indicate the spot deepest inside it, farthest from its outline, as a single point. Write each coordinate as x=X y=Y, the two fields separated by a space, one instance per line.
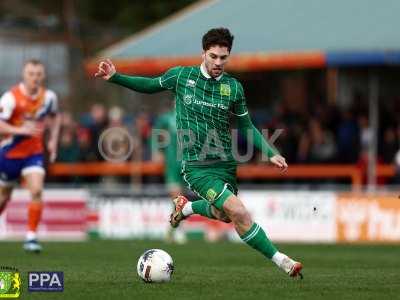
x=220 y=215
x=36 y=194
x=238 y=213
x=225 y=219
x=243 y=216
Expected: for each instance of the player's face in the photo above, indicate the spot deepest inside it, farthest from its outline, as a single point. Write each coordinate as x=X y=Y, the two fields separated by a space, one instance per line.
x=215 y=59
x=33 y=76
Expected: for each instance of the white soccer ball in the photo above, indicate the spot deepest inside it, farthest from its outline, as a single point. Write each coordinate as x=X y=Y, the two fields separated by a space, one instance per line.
x=155 y=265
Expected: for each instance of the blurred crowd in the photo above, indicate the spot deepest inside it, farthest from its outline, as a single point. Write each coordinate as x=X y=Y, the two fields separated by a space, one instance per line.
x=319 y=134
x=79 y=137
x=325 y=133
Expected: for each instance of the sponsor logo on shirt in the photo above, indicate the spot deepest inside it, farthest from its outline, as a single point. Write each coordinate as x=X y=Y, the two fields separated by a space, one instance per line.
x=187 y=99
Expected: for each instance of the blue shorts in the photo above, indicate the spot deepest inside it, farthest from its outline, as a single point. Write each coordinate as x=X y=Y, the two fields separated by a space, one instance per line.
x=12 y=169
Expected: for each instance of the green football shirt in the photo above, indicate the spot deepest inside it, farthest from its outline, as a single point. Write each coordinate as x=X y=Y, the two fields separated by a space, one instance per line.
x=203 y=108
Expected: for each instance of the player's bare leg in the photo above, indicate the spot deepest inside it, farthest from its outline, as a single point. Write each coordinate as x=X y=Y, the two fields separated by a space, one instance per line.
x=253 y=235
x=5 y=195
x=34 y=183
x=220 y=215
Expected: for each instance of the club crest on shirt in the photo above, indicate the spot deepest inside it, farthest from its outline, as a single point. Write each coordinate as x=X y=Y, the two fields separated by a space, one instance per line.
x=190 y=83
x=225 y=90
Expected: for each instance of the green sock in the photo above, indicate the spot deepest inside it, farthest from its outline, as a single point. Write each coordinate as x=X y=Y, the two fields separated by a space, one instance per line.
x=202 y=207
x=257 y=239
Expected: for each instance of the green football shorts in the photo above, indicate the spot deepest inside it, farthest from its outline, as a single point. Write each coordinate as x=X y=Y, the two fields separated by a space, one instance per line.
x=214 y=182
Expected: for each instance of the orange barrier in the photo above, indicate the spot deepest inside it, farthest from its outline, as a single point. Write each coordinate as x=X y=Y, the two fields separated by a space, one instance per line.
x=248 y=171
x=238 y=62
x=303 y=171
x=385 y=171
x=105 y=168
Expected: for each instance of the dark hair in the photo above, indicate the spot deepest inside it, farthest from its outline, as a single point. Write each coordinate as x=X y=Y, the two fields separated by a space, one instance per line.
x=33 y=61
x=217 y=37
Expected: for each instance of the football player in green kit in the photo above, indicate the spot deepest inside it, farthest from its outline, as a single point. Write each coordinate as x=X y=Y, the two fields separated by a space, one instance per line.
x=205 y=98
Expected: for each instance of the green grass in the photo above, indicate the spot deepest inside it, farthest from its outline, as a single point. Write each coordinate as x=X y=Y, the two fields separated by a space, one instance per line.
x=107 y=270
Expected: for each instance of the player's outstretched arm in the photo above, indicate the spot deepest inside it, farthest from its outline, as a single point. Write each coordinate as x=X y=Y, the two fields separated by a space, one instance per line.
x=246 y=126
x=107 y=71
x=28 y=129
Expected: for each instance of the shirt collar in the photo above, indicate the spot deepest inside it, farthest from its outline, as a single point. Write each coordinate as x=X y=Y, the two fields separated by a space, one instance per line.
x=25 y=92
x=206 y=75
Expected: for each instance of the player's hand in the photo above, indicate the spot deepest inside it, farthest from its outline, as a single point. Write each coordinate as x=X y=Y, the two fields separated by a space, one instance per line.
x=106 y=69
x=279 y=162
x=52 y=149
x=30 y=128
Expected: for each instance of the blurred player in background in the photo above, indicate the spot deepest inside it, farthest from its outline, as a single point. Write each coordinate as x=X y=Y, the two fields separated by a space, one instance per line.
x=205 y=97
x=165 y=150
x=25 y=110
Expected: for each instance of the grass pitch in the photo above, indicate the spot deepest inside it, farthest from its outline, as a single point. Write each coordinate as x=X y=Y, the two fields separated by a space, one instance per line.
x=107 y=270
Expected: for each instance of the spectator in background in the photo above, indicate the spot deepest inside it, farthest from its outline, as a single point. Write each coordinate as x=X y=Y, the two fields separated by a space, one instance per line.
x=317 y=144
x=330 y=136
x=348 y=142
x=389 y=146
x=365 y=135
x=115 y=117
x=87 y=152
x=294 y=126
x=96 y=122
x=116 y=144
x=68 y=150
x=67 y=121
x=142 y=132
x=68 y=145
x=287 y=141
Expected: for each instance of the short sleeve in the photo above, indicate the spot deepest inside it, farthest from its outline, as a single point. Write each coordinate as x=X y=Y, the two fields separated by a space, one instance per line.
x=7 y=105
x=239 y=106
x=53 y=102
x=169 y=78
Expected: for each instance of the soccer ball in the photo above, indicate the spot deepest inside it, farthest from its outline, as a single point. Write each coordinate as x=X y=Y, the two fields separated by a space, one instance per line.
x=155 y=265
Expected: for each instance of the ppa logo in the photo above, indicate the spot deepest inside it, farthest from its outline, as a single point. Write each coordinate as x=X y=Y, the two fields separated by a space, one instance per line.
x=46 y=281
